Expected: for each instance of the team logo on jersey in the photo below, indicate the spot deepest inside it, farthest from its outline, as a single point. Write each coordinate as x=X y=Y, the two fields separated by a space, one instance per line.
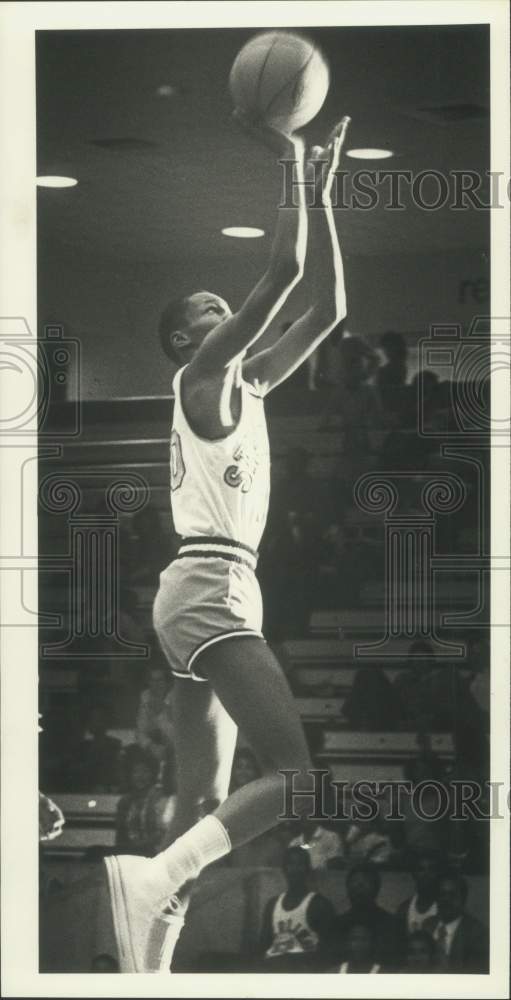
x=292 y=935
x=177 y=465
x=241 y=474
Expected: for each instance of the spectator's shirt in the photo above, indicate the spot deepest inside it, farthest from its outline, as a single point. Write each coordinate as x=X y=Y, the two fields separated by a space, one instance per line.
x=383 y=925
x=292 y=932
x=415 y=919
x=444 y=935
x=462 y=944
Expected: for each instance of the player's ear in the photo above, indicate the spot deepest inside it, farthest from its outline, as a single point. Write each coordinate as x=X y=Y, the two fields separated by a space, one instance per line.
x=179 y=339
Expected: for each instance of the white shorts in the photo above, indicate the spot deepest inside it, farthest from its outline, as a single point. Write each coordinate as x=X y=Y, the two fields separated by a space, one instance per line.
x=208 y=593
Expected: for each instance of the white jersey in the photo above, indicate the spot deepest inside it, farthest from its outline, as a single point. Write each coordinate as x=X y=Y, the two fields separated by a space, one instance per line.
x=220 y=488
x=292 y=933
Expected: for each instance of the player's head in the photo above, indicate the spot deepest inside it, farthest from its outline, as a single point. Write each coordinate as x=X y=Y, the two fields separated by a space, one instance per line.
x=186 y=321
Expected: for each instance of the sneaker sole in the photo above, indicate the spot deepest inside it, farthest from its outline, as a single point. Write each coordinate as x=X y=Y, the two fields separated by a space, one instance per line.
x=120 y=916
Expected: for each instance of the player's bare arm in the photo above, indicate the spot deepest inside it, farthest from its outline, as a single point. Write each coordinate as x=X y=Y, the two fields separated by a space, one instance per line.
x=324 y=266
x=211 y=377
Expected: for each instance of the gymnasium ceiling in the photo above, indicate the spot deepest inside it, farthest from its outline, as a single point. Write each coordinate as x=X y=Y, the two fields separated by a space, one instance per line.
x=160 y=176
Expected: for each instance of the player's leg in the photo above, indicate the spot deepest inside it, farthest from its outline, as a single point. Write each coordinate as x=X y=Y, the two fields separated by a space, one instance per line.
x=204 y=742
x=251 y=685
x=253 y=690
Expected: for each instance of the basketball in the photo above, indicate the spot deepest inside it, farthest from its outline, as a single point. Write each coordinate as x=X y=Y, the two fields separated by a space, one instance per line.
x=280 y=77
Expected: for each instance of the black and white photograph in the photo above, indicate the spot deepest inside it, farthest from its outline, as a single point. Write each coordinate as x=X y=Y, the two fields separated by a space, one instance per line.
x=254 y=441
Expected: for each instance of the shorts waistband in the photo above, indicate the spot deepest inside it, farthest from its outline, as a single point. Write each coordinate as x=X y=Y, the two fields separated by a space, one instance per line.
x=207 y=546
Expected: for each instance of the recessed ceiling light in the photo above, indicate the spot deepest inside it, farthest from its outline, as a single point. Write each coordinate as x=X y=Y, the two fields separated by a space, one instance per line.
x=369 y=154
x=166 y=90
x=243 y=232
x=56 y=182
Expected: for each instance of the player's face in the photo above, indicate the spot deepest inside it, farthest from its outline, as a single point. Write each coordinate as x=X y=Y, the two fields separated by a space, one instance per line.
x=204 y=311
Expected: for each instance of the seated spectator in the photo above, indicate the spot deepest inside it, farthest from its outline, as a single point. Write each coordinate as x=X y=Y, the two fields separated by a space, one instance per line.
x=324 y=846
x=368 y=841
x=358 y=362
x=363 y=885
x=360 y=952
x=420 y=954
x=297 y=924
x=95 y=767
x=412 y=912
x=104 y=963
x=462 y=941
x=155 y=730
x=143 y=812
x=372 y=703
x=391 y=377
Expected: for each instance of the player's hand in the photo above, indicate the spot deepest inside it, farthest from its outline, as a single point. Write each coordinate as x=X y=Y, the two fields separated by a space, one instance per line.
x=328 y=156
x=51 y=819
x=285 y=146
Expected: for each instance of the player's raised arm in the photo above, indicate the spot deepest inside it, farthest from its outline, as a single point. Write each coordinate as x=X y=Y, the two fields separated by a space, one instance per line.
x=324 y=262
x=231 y=337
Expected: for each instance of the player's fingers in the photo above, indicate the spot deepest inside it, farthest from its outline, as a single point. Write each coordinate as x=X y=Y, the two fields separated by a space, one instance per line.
x=338 y=133
x=336 y=146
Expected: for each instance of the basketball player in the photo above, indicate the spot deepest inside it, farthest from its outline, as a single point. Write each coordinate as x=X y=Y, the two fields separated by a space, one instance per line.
x=297 y=924
x=208 y=612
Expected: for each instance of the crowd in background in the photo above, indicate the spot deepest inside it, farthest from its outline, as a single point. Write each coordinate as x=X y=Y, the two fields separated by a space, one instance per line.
x=430 y=931
x=318 y=552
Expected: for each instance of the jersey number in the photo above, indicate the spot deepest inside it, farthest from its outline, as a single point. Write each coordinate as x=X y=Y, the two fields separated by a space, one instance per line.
x=177 y=465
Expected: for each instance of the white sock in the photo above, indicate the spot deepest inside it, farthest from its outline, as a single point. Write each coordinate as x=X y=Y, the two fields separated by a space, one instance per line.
x=204 y=843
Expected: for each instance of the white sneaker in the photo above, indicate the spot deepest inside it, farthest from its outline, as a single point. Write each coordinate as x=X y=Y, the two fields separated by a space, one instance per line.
x=147 y=922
